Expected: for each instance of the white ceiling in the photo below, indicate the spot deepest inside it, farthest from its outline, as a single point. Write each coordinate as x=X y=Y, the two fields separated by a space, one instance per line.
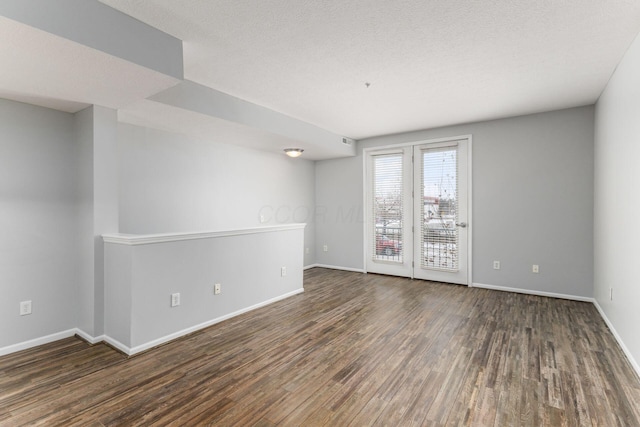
x=430 y=63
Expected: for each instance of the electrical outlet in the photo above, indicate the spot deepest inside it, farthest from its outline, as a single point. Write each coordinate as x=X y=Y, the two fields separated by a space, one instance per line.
x=283 y=271
x=306 y=251
x=496 y=265
x=217 y=289
x=262 y=219
x=325 y=248
x=25 y=308
x=175 y=300
x=535 y=268
x=611 y=294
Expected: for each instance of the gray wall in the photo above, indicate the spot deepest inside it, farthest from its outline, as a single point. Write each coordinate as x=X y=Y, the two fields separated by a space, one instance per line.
x=141 y=277
x=172 y=183
x=339 y=212
x=532 y=201
x=38 y=221
x=617 y=201
x=96 y=133
x=59 y=190
x=85 y=258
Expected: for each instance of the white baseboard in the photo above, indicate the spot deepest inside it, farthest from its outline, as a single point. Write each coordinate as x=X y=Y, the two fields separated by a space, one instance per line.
x=532 y=292
x=335 y=267
x=173 y=336
x=624 y=348
x=137 y=349
x=37 y=341
x=131 y=351
x=117 y=345
x=88 y=337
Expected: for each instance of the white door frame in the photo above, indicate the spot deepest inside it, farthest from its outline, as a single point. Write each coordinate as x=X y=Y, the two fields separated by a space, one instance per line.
x=394 y=267
x=366 y=152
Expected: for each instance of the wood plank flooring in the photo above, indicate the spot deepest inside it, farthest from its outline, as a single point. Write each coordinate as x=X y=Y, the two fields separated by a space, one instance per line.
x=354 y=349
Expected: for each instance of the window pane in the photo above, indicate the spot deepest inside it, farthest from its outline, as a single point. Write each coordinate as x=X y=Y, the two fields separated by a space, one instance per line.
x=387 y=207
x=439 y=234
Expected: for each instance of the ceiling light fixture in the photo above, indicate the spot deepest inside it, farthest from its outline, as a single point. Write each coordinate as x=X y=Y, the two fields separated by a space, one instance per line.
x=293 y=152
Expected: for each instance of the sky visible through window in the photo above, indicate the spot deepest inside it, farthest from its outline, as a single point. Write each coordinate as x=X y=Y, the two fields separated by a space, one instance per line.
x=439 y=174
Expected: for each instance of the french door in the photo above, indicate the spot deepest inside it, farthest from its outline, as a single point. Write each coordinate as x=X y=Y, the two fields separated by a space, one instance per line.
x=417 y=203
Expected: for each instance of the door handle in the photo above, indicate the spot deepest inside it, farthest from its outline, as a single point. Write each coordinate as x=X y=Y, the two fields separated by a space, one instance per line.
x=461 y=224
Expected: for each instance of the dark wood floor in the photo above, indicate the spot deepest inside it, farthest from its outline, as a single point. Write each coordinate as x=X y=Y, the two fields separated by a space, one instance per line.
x=353 y=349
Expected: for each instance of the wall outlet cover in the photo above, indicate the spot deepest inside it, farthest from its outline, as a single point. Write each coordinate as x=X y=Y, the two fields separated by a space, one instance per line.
x=25 y=308
x=175 y=300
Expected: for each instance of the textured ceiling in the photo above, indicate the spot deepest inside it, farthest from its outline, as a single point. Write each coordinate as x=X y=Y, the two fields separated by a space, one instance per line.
x=430 y=63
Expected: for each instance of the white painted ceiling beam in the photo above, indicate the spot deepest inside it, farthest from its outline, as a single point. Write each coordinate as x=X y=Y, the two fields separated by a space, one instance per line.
x=100 y=27
x=203 y=100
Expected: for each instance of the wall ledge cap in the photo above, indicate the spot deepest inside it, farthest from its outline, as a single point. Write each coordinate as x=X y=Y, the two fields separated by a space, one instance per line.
x=147 y=239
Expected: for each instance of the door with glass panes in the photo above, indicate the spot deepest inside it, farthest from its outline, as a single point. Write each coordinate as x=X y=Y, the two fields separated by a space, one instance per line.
x=418 y=212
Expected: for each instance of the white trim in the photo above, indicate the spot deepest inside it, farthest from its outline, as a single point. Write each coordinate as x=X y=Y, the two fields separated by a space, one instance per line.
x=25 y=345
x=395 y=268
x=146 y=239
x=443 y=141
x=418 y=142
x=337 y=267
x=88 y=338
x=469 y=209
x=175 y=335
x=131 y=351
x=532 y=292
x=118 y=345
x=625 y=350
x=365 y=222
